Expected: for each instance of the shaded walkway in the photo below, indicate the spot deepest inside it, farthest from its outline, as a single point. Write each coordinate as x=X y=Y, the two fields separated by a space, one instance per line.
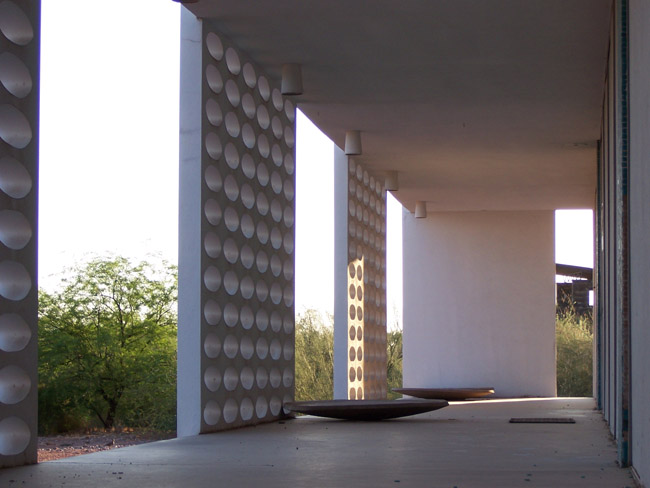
x=464 y=445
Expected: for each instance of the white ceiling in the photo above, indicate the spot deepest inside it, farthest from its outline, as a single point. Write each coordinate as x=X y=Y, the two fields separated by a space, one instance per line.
x=478 y=104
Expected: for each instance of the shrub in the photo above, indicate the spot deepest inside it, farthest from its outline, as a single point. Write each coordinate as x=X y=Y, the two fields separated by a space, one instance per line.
x=574 y=339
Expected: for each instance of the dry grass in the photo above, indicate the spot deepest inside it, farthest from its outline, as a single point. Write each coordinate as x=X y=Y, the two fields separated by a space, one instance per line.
x=574 y=336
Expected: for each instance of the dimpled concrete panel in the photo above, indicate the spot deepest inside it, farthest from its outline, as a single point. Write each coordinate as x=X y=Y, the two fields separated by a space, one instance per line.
x=19 y=66
x=366 y=285
x=247 y=235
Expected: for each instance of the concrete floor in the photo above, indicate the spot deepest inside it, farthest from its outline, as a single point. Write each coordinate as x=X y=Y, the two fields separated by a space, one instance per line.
x=464 y=445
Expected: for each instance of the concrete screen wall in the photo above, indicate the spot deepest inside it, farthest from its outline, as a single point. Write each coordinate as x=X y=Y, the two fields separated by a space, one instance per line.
x=479 y=301
x=236 y=259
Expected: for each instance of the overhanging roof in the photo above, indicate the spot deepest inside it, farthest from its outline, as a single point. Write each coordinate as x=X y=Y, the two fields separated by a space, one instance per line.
x=490 y=105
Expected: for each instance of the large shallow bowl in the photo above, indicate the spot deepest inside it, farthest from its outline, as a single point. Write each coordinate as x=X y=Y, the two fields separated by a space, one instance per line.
x=449 y=394
x=365 y=409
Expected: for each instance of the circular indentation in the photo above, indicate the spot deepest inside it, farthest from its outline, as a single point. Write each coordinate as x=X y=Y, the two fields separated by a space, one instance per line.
x=263 y=146
x=275 y=405
x=231 y=251
x=276 y=265
x=212 y=345
x=360 y=376
x=15 y=282
x=213 y=178
x=212 y=378
x=290 y=110
x=353 y=292
x=213 y=112
x=15 y=25
x=287 y=377
x=289 y=136
x=276 y=210
x=246 y=347
x=278 y=102
x=250 y=78
x=353 y=394
x=264 y=88
x=359 y=333
x=263 y=118
x=14 y=332
x=262 y=232
x=353 y=333
x=352 y=375
x=288 y=323
x=213 y=145
x=261 y=375
x=214 y=79
x=230 y=410
x=230 y=186
x=15 y=229
x=289 y=191
x=212 y=312
x=230 y=346
x=359 y=313
x=230 y=377
x=359 y=273
x=353 y=312
x=247 y=256
x=247 y=198
x=262 y=291
x=261 y=407
x=275 y=349
x=262 y=204
x=287 y=242
x=352 y=270
x=288 y=350
x=232 y=124
x=14 y=432
x=275 y=377
x=262 y=261
x=248 y=104
x=276 y=182
x=288 y=216
x=212 y=244
x=360 y=353
x=248 y=136
x=289 y=164
x=262 y=319
x=231 y=282
x=262 y=174
x=276 y=293
x=211 y=412
x=248 y=166
x=231 y=219
x=288 y=295
x=276 y=127
x=212 y=278
x=246 y=409
x=276 y=155
x=230 y=314
x=276 y=321
x=214 y=45
x=232 y=61
x=276 y=238
x=262 y=348
x=15 y=129
x=15 y=180
x=14 y=75
x=232 y=93
x=247 y=288
x=247 y=377
x=287 y=269
x=14 y=384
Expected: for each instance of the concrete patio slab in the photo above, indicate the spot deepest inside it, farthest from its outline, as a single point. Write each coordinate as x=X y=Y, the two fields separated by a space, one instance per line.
x=464 y=445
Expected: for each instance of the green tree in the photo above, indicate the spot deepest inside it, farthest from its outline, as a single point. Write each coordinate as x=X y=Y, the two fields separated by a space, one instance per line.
x=394 y=362
x=314 y=357
x=107 y=346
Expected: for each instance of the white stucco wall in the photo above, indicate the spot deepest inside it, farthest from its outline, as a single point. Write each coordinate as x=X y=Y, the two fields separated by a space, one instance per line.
x=640 y=234
x=479 y=301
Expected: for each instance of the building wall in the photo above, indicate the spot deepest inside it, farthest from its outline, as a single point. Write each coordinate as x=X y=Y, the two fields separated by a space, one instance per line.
x=639 y=20
x=236 y=237
x=19 y=101
x=479 y=301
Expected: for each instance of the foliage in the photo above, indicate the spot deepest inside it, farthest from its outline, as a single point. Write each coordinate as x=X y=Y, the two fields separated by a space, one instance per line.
x=107 y=347
x=394 y=362
x=574 y=338
x=314 y=357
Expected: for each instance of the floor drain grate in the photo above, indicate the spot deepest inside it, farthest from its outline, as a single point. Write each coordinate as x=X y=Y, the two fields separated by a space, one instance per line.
x=543 y=420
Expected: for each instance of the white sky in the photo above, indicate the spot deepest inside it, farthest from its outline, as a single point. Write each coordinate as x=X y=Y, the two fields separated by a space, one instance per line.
x=109 y=152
